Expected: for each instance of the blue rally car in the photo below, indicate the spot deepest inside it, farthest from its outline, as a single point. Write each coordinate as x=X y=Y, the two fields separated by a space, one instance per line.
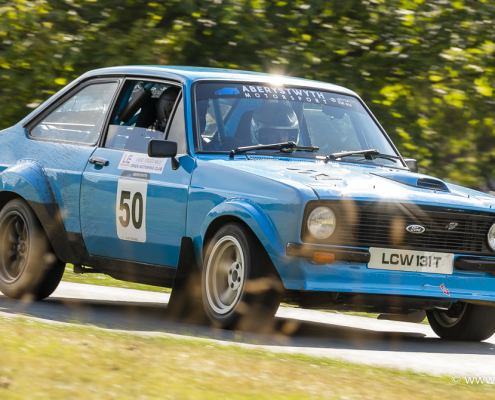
x=253 y=188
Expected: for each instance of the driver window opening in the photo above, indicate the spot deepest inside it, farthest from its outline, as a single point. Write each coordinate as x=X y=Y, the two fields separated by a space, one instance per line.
x=142 y=114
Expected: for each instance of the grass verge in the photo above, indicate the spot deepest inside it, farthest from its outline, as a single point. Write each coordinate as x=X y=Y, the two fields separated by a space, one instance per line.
x=105 y=280
x=60 y=362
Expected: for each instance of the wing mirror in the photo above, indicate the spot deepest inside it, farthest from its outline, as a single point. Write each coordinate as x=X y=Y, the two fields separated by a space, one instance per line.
x=164 y=149
x=412 y=164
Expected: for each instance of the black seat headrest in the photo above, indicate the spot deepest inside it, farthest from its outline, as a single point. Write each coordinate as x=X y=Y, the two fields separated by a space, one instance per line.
x=243 y=131
x=165 y=104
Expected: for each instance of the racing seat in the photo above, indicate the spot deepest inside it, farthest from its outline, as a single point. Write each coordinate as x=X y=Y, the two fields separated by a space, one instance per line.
x=147 y=115
x=140 y=135
x=242 y=135
x=139 y=97
x=165 y=105
x=243 y=131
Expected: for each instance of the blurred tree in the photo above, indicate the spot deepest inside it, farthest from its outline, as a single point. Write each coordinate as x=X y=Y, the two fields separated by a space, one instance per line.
x=426 y=68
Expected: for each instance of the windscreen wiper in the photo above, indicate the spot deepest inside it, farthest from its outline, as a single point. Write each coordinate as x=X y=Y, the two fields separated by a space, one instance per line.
x=368 y=154
x=285 y=147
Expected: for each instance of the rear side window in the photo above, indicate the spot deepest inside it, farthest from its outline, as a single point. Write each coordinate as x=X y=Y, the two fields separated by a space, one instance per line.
x=79 y=119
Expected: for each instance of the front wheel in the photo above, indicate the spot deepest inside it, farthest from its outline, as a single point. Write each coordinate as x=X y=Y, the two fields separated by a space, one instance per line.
x=240 y=289
x=28 y=267
x=463 y=321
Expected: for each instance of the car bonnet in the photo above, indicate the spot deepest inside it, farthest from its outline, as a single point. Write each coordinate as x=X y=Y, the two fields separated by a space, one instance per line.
x=335 y=180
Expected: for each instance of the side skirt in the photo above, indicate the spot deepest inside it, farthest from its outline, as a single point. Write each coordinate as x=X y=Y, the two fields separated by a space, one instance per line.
x=129 y=271
x=178 y=278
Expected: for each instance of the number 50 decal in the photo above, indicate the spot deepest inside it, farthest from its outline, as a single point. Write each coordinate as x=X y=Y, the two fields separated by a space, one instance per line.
x=131 y=206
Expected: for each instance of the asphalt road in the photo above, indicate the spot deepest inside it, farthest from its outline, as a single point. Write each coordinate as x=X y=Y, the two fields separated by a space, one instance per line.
x=356 y=339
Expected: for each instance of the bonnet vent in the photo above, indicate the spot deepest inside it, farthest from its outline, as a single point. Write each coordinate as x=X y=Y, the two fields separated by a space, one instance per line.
x=410 y=179
x=432 y=184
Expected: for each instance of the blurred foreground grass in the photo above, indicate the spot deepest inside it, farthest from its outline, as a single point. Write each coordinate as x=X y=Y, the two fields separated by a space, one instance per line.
x=72 y=362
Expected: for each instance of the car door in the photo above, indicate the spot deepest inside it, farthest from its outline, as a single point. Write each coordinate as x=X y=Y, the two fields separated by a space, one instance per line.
x=133 y=207
x=60 y=139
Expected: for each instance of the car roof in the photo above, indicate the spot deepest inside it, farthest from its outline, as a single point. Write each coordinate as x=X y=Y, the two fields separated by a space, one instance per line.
x=188 y=75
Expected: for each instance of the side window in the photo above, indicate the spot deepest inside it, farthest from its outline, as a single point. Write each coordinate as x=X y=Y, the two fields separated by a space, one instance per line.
x=177 y=131
x=142 y=115
x=80 y=118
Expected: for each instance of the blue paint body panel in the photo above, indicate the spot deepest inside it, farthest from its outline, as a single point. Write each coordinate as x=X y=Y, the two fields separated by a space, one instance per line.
x=267 y=193
x=165 y=218
x=45 y=172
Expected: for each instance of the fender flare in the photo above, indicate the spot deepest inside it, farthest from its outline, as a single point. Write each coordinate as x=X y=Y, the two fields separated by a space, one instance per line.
x=253 y=216
x=27 y=179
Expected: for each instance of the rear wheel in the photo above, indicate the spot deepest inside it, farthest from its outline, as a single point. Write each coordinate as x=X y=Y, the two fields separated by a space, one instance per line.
x=28 y=267
x=463 y=321
x=240 y=289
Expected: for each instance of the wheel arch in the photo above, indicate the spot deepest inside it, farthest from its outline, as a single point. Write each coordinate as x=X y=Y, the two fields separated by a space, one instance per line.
x=250 y=216
x=216 y=224
x=6 y=196
x=27 y=180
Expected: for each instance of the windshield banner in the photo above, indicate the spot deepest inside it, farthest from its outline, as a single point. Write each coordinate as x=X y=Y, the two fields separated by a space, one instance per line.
x=264 y=92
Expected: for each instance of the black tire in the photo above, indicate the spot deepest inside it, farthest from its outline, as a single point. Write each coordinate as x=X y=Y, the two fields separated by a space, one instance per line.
x=246 y=293
x=28 y=267
x=463 y=321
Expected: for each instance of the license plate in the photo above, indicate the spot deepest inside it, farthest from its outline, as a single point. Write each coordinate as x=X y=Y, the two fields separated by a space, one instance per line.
x=411 y=261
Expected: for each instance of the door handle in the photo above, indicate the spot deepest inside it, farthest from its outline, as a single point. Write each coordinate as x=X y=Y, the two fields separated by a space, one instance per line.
x=98 y=161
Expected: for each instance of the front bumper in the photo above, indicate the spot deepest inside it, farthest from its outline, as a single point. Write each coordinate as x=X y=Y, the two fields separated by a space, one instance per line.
x=340 y=253
x=462 y=263
x=472 y=278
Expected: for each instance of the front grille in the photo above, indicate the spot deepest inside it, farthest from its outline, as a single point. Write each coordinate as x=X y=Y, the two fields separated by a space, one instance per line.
x=371 y=224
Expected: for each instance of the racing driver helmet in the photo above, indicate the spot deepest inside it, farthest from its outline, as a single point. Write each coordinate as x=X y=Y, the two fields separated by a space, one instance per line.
x=274 y=122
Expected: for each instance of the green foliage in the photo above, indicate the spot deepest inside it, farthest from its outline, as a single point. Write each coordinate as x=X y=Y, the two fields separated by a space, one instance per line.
x=425 y=68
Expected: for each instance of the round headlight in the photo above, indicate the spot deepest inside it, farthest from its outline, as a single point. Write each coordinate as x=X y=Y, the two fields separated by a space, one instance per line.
x=322 y=223
x=491 y=237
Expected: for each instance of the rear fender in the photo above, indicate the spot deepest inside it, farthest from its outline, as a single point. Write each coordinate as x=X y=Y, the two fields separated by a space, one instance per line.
x=28 y=179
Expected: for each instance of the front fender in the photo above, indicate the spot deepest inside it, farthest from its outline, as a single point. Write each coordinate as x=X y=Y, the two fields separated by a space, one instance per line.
x=253 y=217
x=28 y=179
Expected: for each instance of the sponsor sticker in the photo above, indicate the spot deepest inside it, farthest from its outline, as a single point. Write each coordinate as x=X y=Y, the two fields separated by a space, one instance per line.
x=142 y=163
x=208 y=91
x=444 y=289
x=132 y=191
x=227 y=91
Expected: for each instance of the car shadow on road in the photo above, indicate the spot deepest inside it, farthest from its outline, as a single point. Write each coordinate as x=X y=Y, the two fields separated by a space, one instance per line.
x=148 y=317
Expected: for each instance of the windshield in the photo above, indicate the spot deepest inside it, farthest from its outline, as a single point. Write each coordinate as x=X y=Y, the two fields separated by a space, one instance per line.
x=232 y=115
